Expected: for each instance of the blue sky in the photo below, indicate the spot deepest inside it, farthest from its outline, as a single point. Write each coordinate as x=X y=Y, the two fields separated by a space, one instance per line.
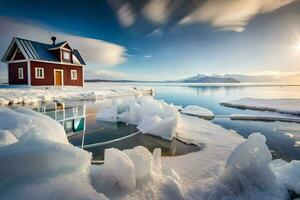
x=163 y=40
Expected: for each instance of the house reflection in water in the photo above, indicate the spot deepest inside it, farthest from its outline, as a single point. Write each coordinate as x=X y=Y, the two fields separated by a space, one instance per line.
x=72 y=117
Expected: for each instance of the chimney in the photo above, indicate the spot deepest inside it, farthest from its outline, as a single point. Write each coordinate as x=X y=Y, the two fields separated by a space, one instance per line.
x=53 y=40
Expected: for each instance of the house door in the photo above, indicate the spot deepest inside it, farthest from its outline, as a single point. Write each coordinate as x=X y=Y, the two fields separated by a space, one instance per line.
x=58 y=77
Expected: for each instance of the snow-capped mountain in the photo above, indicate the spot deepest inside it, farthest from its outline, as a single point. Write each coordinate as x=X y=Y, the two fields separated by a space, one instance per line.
x=201 y=78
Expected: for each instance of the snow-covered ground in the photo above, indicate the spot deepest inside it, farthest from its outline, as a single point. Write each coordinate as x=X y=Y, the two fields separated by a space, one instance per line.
x=287 y=106
x=38 y=162
x=30 y=95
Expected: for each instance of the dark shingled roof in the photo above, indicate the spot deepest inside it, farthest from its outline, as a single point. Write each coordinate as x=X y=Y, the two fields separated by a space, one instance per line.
x=40 y=51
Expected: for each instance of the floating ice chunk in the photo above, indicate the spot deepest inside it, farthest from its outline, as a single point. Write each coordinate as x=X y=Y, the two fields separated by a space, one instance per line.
x=142 y=160
x=109 y=114
x=152 y=116
x=7 y=138
x=119 y=168
x=164 y=128
x=198 y=111
x=287 y=174
x=289 y=106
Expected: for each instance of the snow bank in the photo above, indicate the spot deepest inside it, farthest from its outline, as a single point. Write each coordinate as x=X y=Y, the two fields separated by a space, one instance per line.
x=21 y=121
x=287 y=106
x=33 y=95
x=37 y=162
x=152 y=116
x=198 y=111
x=133 y=170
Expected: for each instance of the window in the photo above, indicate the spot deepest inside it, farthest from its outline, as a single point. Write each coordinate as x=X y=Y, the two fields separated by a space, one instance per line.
x=20 y=73
x=66 y=55
x=39 y=73
x=73 y=74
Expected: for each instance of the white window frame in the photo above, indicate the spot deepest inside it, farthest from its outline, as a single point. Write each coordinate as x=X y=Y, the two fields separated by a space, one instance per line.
x=66 y=53
x=36 y=73
x=20 y=73
x=74 y=71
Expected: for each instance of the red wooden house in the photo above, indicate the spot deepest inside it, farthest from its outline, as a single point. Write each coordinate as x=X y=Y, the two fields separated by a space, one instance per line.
x=39 y=64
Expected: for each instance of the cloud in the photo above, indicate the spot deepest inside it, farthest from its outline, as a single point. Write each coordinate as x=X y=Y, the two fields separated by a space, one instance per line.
x=232 y=14
x=112 y=75
x=156 y=32
x=95 y=52
x=125 y=15
x=148 y=56
x=157 y=11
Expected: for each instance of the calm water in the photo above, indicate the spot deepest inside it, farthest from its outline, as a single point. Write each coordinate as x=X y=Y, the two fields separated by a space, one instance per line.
x=79 y=119
x=283 y=139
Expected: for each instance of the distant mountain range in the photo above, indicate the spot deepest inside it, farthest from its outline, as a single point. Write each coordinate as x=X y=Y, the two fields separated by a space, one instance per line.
x=200 y=78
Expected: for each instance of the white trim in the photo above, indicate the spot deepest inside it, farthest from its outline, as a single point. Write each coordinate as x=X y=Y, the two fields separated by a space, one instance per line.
x=74 y=78
x=20 y=73
x=28 y=73
x=59 y=63
x=36 y=73
x=62 y=77
x=59 y=46
x=14 y=55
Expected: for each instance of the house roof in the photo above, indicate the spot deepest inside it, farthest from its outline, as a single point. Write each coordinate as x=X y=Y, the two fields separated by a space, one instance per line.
x=40 y=51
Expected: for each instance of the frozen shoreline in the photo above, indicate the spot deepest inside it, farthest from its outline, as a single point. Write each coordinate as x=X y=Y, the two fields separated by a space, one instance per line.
x=32 y=95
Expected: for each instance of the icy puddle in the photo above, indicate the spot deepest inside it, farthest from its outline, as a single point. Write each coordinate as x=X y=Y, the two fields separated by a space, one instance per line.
x=83 y=130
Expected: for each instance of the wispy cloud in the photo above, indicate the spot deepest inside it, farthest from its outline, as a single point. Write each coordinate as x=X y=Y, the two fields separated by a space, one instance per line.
x=95 y=52
x=232 y=14
x=125 y=15
x=156 y=32
x=148 y=56
x=157 y=11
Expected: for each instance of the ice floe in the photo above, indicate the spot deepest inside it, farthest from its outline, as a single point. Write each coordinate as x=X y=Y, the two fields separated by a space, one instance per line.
x=198 y=111
x=264 y=118
x=287 y=106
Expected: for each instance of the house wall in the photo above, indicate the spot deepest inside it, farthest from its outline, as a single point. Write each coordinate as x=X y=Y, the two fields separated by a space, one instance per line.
x=13 y=76
x=49 y=74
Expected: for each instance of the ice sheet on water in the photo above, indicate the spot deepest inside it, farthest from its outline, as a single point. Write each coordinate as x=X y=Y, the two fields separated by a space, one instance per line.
x=198 y=111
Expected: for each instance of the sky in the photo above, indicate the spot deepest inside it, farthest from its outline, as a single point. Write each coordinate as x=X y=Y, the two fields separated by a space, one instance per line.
x=163 y=39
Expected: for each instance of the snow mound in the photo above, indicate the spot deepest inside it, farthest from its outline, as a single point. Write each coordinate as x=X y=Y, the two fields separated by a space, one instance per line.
x=247 y=174
x=37 y=162
x=134 y=170
x=21 y=121
x=287 y=106
x=152 y=116
x=198 y=111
